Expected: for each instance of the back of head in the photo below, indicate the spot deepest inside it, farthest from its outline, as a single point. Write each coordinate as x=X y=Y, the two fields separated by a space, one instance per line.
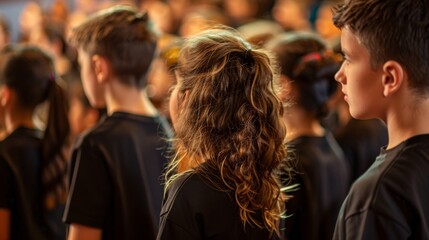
x=122 y=35
x=30 y=73
x=306 y=62
x=231 y=118
x=391 y=30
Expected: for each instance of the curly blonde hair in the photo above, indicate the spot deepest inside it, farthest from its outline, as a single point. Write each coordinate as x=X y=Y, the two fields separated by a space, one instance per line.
x=231 y=122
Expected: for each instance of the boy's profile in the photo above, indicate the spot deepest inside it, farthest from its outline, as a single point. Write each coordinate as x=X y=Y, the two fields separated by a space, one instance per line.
x=115 y=190
x=385 y=75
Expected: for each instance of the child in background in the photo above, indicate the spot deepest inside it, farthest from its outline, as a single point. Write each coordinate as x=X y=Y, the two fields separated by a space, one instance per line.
x=33 y=164
x=228 y=142
x=115 y=191
x=307 y=78
x=385 y=75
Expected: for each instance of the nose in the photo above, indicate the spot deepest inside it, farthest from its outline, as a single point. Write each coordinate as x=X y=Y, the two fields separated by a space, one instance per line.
x=339 y=76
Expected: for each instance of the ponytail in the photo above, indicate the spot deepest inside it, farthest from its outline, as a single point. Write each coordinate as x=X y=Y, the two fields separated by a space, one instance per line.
x=55 y=140
x=30 y=72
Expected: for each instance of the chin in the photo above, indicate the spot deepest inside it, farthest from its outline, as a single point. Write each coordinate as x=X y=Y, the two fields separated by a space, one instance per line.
x=360 y=115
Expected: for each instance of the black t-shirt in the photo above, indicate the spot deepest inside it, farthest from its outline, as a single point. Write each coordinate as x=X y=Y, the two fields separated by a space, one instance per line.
x=193 y=209
x=361 y=141
x=323 y=180
x=20 y=160
x=116 y=183
x=390 y=201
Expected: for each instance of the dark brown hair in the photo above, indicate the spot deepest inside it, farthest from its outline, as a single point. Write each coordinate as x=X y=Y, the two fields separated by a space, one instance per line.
x=124 y=36
x=310 y=66
x=30 y=73
x=391 y=30
x=231 y=122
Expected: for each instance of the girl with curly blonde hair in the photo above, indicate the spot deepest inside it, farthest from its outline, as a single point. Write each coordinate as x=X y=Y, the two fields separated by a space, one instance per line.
x=228 y=142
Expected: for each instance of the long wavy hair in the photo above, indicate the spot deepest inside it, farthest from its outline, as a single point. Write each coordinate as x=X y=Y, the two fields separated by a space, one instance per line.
x=230 y=120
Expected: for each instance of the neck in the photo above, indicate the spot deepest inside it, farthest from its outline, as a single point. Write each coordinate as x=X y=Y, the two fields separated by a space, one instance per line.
x=129 y=99
x=299 y=123
x=15 y=119
x=407 y=120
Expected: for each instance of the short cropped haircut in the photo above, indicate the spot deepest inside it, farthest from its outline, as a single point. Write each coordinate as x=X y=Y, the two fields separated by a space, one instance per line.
x=391 y=30
x=125 y=37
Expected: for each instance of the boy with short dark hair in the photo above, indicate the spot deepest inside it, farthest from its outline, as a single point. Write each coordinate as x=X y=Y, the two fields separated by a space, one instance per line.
x=385 y=75
x=115 y=190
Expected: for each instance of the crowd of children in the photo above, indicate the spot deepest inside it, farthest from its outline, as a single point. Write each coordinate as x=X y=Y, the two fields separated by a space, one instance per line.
x=204 y=119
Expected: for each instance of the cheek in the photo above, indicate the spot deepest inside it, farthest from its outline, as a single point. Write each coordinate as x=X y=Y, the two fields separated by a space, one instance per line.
x=93 y=91
x=174 y=107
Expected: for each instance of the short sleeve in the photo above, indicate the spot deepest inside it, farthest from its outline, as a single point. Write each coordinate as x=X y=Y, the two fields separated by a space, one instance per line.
x=6 y=184
x=176 y=209
x=90 y=189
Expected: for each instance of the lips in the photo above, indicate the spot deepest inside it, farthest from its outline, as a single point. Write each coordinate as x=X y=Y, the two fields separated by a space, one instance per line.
x=345 y=95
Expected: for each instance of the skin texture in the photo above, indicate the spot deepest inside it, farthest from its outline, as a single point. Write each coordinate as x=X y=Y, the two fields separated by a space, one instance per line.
x=381 y=92
x=361 y=85
x=93 y=90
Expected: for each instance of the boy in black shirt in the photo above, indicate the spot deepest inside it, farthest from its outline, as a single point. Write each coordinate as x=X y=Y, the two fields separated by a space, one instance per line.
x=385 y=75
x=115 y=191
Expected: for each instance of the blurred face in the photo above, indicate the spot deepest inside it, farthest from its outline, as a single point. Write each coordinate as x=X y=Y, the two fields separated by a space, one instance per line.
x=361 y=85
x=93 y=90
x=324 y=25
x=4 y=39
x=174 y=102
x=290 y=15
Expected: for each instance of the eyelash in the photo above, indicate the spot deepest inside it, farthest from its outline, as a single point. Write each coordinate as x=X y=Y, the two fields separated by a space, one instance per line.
x=344 y=58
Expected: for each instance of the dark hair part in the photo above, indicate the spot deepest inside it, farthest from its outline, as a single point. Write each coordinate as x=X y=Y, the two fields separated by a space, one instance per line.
x=231 y=121
x=391 y=30
x=125 y=37
x=30 y=73
x=305 y=60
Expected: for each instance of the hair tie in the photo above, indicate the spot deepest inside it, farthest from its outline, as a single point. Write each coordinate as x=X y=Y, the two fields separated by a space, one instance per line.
x=310 y=57
x=51 y=77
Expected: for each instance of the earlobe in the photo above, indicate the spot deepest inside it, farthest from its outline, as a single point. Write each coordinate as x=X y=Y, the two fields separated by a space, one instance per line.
x=393 y=77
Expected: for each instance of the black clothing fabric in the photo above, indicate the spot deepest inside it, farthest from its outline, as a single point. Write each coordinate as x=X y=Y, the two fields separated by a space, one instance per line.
x=361 y=141
x=116 y=183
x=20 y=188
x=194 y=209
x=390 y=201
x=323 y=180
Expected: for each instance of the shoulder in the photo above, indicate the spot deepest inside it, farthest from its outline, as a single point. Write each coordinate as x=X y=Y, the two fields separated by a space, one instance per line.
x=192 y=189
x=395 y=178
x=186 y=185
x=410 y=166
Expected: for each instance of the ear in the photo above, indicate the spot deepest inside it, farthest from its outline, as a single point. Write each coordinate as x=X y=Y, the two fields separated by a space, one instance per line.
x=5 y=96
x=393 y=77
x=102 y=68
